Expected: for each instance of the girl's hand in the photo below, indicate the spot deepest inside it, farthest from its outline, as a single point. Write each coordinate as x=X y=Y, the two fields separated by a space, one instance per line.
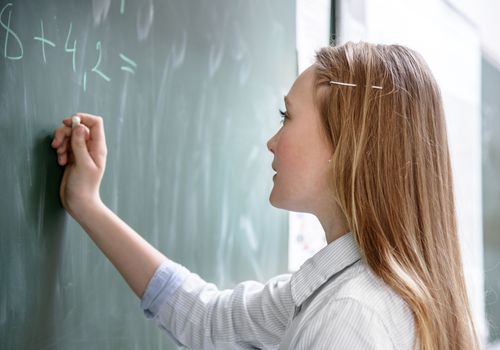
x=82 y=151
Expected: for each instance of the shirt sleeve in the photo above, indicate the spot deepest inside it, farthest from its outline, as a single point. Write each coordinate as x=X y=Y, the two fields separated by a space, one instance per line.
x=167 y=278
x=198 y=315
x=343 y=324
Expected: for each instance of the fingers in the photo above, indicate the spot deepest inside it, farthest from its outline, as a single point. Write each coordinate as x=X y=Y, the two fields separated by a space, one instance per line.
x=62 y=159
x=62 y=141
x=60 y=135
x=97 y=148
x=79 y=146
x=93 y=130
x=91 y=121
x=62 y=149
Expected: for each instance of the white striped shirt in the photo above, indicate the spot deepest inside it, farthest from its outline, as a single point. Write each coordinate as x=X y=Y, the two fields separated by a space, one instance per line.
x=334 y=301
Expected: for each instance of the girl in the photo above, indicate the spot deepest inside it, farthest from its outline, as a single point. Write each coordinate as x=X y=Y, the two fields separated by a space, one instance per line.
x=363 y=147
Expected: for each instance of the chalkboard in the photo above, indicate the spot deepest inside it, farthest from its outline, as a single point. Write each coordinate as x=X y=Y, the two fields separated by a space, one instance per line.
x=189 y=92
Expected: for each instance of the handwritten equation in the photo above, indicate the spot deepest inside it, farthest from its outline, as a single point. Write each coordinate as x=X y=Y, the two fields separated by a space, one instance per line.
x=70 y=47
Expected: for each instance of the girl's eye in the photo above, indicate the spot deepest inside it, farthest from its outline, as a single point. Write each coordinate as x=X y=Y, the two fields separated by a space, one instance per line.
x=284 y=116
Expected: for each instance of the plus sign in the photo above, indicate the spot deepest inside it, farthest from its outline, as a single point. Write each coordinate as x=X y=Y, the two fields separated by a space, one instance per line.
x=44 y=41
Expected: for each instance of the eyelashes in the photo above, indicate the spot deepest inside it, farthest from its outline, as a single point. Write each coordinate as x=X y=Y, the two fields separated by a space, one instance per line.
x=284 y=116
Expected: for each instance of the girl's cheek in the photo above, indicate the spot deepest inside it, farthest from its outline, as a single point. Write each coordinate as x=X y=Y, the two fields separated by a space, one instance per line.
x=290 y=153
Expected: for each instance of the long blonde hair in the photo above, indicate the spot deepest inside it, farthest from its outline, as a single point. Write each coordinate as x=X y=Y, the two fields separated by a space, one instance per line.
x=392 y=179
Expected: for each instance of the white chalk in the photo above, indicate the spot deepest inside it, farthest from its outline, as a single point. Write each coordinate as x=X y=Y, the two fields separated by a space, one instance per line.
x=75 y=121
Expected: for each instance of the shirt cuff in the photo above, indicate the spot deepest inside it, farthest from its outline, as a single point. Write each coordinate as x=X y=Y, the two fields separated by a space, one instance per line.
x=167 y=278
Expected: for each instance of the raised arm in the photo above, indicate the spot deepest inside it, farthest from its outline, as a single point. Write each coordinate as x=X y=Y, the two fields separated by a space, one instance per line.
x=83 y=151
x=192 y=311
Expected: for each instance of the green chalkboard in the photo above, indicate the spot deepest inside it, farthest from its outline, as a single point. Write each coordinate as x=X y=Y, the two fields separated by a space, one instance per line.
x=189 y=92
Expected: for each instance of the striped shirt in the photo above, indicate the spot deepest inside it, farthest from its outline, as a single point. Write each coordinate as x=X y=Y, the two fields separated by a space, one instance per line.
x=334 y=301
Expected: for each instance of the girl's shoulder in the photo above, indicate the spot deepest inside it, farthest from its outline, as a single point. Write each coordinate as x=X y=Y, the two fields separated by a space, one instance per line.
x=358 y=285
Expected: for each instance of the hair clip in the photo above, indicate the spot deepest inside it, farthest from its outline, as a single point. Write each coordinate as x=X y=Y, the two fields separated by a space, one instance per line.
x=349 y=84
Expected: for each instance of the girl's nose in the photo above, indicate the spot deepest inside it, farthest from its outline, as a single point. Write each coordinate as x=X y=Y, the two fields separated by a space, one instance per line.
x=271 y=143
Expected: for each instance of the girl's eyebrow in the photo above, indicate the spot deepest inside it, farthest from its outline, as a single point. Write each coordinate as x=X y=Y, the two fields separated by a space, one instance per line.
x=287 y=101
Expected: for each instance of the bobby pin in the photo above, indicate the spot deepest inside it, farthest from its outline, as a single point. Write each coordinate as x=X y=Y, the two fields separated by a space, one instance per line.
x=349 y=84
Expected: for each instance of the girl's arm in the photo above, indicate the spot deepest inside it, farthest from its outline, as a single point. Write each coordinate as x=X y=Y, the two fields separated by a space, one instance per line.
x=82 y=150
x=133 y=256
x=194 y=312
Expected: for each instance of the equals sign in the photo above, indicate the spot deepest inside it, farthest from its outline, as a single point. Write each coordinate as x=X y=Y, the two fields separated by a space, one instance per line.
x=130 y=62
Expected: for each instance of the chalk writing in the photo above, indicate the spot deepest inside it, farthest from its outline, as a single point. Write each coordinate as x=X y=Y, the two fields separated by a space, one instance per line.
x=95 y=69
x=70 y=46
x=9 y=32
x=44 y=41
x=129 y=61
x=73 y=49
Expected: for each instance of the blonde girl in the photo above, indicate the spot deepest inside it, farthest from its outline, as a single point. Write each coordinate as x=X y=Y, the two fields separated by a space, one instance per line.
x=363 y=147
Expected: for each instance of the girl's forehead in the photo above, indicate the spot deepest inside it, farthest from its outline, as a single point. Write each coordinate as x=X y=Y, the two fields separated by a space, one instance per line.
x=301 y=90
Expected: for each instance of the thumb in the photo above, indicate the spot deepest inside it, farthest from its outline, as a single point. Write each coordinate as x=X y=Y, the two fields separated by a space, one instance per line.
x=79 y=146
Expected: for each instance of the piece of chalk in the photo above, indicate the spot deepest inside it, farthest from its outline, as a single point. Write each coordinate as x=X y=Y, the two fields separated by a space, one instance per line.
x=75 y=121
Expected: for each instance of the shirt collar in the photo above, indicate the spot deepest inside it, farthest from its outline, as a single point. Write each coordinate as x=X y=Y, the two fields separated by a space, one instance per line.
x=330 y=260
